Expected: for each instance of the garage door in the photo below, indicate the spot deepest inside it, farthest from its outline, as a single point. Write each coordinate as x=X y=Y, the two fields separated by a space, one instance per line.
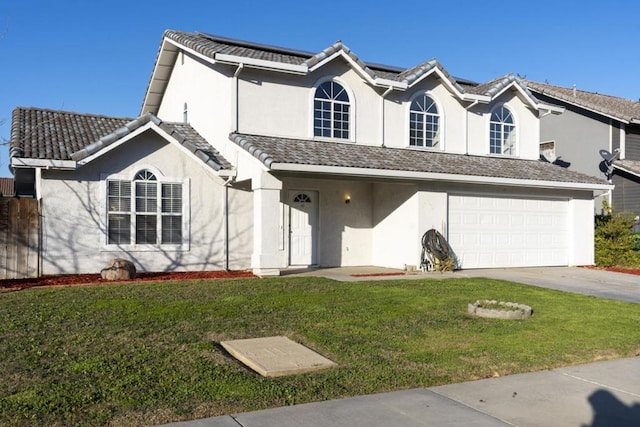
x=490 y=232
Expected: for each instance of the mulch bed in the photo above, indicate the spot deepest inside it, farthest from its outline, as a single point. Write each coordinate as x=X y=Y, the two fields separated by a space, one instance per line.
x=626 y=270
x=377 y=274
x=85 y=279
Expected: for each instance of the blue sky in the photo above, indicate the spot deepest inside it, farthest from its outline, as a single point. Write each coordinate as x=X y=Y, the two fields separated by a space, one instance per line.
x=97 y=57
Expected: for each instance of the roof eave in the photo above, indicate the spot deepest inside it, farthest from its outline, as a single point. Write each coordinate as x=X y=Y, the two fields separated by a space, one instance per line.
x=160 y=76
x=627 y=170
x=261 y=63
x=452 y=85
x=431 y=176
x=156 y=125
x=22 y=162
x=625 y=120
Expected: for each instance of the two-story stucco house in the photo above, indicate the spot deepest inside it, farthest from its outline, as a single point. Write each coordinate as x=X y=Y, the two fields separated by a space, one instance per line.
x=593 y=122
x=253 y=156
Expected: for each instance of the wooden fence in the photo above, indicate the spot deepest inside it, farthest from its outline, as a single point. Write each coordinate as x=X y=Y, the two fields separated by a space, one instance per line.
x=19 y=238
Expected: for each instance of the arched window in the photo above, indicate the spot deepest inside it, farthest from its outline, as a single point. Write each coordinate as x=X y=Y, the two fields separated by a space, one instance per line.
x=502 y=132
x=424 y=122
x=144 y=211
x=331 y=111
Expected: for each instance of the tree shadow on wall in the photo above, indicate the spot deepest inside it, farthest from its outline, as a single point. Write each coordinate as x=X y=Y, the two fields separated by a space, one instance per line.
x=608 y=411
x=65 y=246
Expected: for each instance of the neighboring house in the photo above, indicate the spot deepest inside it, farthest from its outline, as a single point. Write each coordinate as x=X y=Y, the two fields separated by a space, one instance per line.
x=7 y=187
x=593 y=122
x=253 y=156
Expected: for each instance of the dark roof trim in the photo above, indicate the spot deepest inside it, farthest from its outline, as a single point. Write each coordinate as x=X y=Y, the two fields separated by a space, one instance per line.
x=629 y=166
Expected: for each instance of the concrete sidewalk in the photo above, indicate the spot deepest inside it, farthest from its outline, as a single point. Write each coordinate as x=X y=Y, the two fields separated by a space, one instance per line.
x=596 y=395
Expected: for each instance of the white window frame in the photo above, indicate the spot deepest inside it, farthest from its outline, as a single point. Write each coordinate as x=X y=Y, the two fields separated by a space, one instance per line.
x=351 y=116
x=516 y=142
x=440 y=115
x=160 y=179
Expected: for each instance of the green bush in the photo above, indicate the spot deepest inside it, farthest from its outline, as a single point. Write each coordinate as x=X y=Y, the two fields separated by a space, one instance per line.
x=614 y=240
x=636 y=242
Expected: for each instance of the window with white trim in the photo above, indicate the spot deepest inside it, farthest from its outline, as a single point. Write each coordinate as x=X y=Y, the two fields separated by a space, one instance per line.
x=502 y=132
x=145 y=211
x=331 y=111
x=424 y=122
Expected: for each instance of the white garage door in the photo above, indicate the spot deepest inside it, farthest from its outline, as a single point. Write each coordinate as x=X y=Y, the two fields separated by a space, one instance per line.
x=487 y=232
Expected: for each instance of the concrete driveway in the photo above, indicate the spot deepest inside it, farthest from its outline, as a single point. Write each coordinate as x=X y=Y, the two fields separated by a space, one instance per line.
x=597 y=283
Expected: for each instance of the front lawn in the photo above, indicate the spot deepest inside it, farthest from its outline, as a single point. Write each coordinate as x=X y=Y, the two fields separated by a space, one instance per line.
x=148 y=353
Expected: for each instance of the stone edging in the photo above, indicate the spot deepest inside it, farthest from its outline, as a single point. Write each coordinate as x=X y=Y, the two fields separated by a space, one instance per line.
x=512 y=310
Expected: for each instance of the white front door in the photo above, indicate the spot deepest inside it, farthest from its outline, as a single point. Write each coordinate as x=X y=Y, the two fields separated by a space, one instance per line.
x=303 y=216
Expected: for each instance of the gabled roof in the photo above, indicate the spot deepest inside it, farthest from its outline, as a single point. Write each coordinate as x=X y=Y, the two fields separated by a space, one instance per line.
x=312 y=156
x=614 y=107
x=248 y=54
x=7 y=187
x=70 y=139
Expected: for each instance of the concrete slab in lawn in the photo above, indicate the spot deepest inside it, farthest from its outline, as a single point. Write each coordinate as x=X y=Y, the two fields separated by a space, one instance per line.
x=276 y=356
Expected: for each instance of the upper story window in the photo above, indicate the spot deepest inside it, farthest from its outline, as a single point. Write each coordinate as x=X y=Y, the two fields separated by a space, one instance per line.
x=424 y=122
x=145 y=211
x=331 y=111
x=502 y=132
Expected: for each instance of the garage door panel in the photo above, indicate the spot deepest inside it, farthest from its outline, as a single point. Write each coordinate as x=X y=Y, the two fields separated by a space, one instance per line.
x=505 y=232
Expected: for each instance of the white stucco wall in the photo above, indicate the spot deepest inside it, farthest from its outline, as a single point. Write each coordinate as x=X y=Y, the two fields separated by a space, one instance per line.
x=582 y=238
x=208 y=91
x=74 y=213
x=280 y=104
x=344 y=230
x=451 y=110
x=396 y=225
x=526 y=121
x=383 y=223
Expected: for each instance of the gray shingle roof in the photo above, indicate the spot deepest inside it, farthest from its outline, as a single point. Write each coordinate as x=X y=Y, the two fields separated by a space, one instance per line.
x=209 y=45
x=270 y=150
x=632 y=166
x=38 y=133
x=61 y=135
x=613 y=106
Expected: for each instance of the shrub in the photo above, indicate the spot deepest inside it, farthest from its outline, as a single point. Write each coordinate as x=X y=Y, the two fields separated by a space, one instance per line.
x=614 y=241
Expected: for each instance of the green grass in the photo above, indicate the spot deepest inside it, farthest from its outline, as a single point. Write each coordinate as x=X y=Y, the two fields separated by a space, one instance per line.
x=144 y=354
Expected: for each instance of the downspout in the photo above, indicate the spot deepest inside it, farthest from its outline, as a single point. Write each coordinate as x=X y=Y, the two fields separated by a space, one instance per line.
x=466 y=125
x=38 y=183
x=225 y=217
x=236 y=99
x=386 y=92
x=38 y=195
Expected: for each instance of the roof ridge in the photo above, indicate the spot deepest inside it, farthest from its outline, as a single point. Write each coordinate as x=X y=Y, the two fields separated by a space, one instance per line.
x=252 y=45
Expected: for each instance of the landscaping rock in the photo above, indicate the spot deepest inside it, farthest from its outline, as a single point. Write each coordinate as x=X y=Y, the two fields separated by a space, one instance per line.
x=119 y=269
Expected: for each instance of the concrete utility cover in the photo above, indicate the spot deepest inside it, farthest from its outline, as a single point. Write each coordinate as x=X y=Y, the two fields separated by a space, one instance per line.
x=276 y=356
